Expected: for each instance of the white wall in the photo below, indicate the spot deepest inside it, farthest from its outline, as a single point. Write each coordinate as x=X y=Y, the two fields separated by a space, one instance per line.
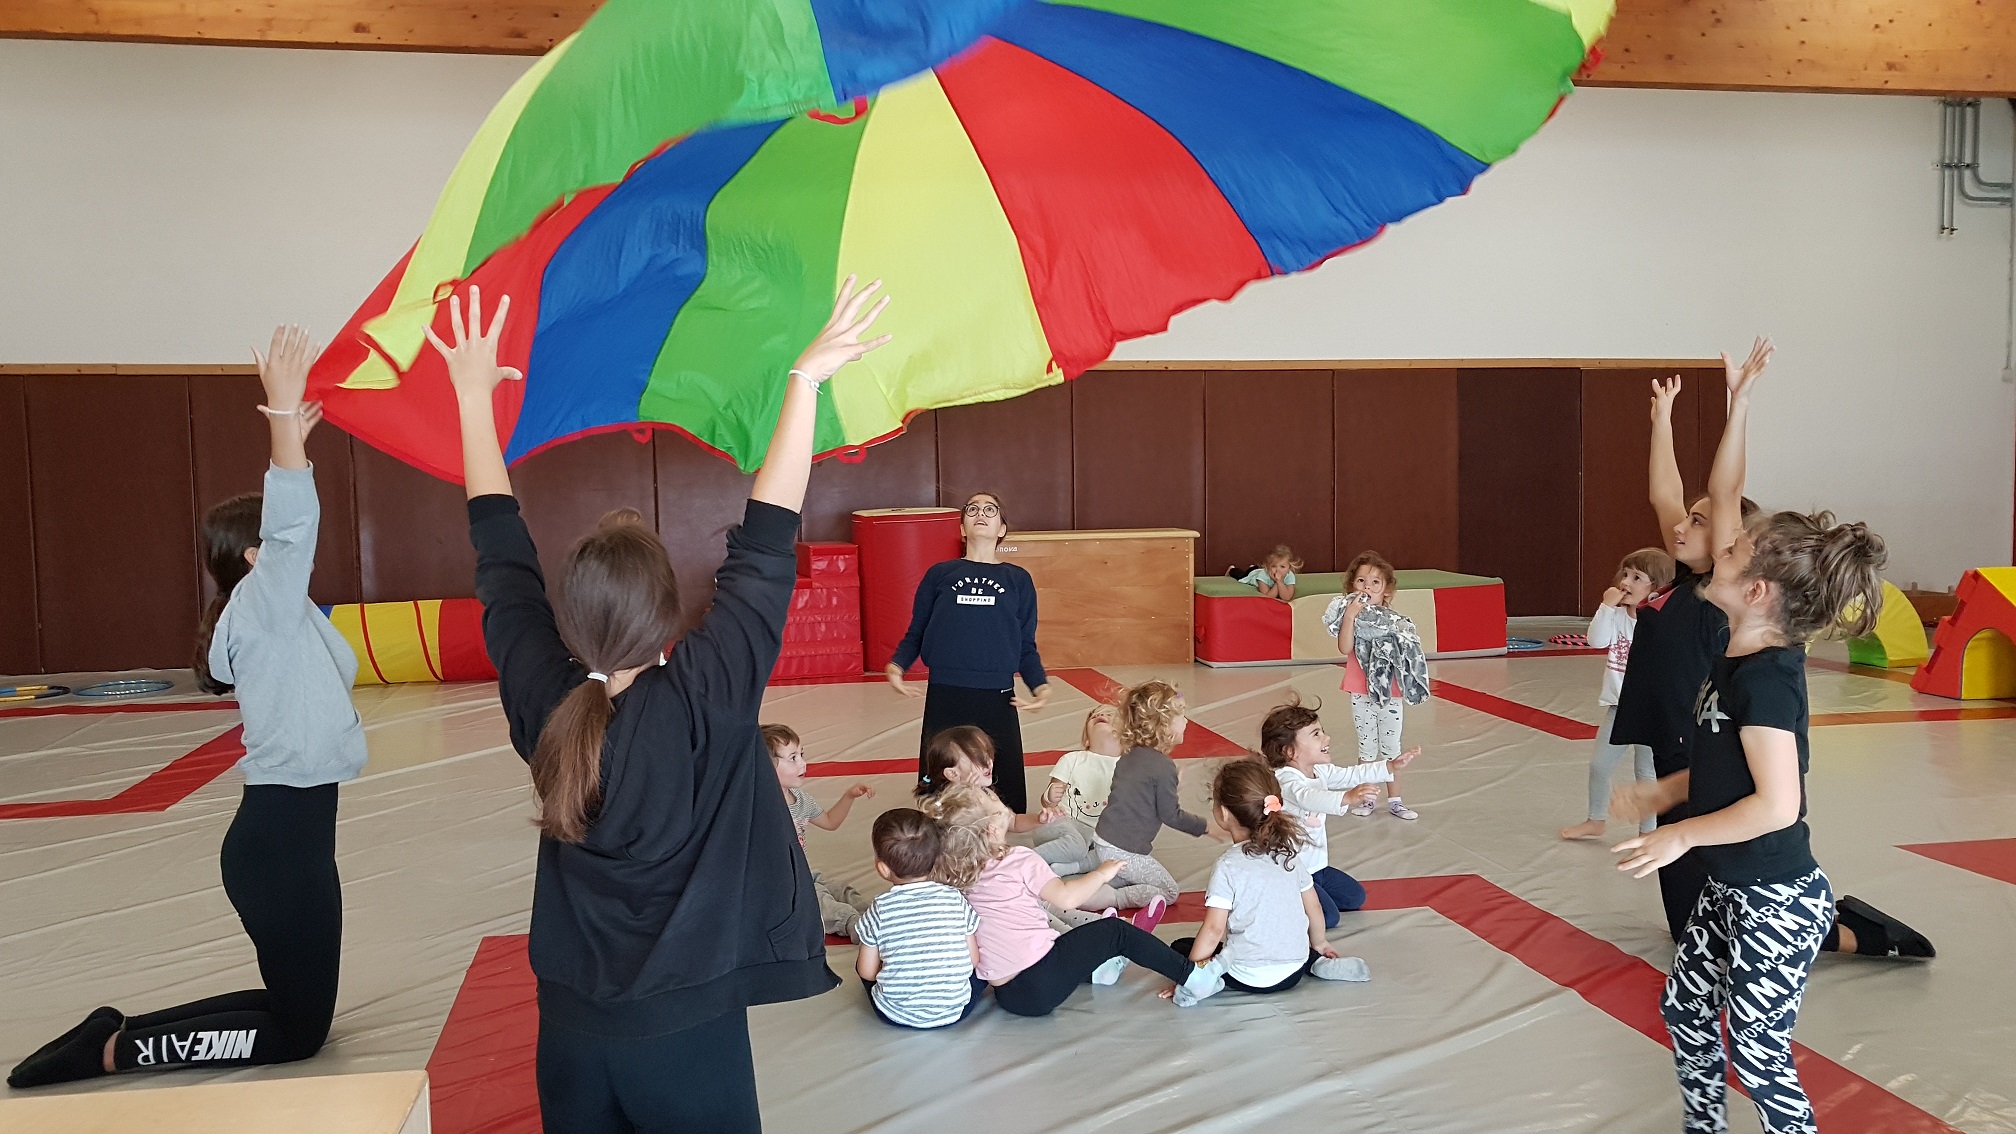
x=170 y=204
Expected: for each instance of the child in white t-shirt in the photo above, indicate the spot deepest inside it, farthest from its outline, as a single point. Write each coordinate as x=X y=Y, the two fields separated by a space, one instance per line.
x=1263 y=926
x=917 y=941
x=838 y=909
x=1078 y=788
x=1643 y=573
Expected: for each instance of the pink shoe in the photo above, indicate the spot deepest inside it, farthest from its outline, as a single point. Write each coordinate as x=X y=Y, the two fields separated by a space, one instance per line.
x=1149 y=916
x=1109 y=911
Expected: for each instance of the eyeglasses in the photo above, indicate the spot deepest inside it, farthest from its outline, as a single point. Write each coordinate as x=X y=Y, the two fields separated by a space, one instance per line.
x=989 y=511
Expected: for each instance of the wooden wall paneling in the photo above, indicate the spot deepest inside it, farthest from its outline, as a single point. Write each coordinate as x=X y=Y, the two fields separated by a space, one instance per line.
x=112 y=495
x=230 y=449
x=1704 y=393
x=899 y=473
x=504 y=27
x=1137 y=450
x=1019 y=448
x=1519 y=477
x=20 y=629
x=700 y=496
x=1269 y=467
x=1396 y=466
x=412 y=532
x=564 y=490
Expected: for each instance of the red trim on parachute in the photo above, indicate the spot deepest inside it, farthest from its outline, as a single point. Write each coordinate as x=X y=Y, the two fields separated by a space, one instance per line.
x=1119 y=227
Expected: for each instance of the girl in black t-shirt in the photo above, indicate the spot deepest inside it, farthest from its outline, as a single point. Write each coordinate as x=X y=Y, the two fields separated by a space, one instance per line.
x=1767 y=906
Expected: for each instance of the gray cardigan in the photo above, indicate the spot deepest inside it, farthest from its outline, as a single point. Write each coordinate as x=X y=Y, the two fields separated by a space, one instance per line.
x=291 y=667
x=1143 y=801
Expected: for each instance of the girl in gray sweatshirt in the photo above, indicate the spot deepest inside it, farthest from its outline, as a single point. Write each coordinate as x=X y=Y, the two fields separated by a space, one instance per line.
x=292 y=672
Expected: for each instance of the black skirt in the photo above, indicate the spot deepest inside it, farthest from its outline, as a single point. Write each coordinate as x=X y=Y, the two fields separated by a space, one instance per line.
x=992 y=712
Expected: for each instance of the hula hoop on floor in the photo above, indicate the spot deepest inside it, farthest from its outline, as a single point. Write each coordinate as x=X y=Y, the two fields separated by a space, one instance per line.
x=1518 y=644
x=126 y=687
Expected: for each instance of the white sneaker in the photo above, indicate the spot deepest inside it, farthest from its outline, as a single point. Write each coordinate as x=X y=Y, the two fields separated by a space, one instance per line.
x=1399 y=810
x=1338 y=968
x=1365 y=808
x=1205 y=982
x=1109 y=973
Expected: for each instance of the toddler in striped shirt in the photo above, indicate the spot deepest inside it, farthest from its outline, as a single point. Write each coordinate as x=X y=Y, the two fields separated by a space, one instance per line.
x=917 y=942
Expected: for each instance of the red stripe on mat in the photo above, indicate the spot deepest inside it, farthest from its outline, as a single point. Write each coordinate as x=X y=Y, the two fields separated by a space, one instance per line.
x=1990 y=858
x=481 y=1072
x=158 y=792
x=1513 y=711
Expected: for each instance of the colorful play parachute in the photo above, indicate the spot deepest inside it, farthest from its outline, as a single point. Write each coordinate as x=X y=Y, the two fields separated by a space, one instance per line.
x=1073 y=178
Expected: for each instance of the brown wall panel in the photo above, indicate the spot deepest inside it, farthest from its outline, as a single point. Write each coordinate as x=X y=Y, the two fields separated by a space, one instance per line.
x=1020 y=448
x=113 y=509
x=899 y=473
x=1396 y=466
x=1137 y=444
x=700 y=496
x=1617 y=517
x=1268 y=467
x=1519 y=477
x=412 y=532
x=20 y=634
x=230 y=446
x=564 y=490
x=1706 y=394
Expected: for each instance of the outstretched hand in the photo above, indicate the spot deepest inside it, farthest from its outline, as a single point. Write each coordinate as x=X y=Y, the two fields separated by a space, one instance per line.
x=1397 y=763
x=1663 y=392
x=839 y=342
x=283 y=369
x=1742 y=378
x=1649 y=852
x=472 y=361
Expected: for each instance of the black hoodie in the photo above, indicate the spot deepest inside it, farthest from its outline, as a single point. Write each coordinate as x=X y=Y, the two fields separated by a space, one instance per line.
x=689 y=897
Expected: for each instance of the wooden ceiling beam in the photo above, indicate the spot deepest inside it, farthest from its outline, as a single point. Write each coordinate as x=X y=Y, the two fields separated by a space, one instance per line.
x=1958 y=47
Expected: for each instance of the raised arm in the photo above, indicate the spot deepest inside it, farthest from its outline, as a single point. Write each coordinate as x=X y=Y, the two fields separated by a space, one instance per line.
x=1725 y=480
x=1609 y=621
x=1668 y=493
x=788 y=463
x=534 y=667
x=290 y=514
x=1172 y=814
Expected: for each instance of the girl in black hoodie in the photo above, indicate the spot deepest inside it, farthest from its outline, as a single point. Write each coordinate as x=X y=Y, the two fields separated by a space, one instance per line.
x=670 y=895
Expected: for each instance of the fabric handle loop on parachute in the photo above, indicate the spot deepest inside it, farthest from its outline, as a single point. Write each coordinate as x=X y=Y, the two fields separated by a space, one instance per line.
x=860 y=108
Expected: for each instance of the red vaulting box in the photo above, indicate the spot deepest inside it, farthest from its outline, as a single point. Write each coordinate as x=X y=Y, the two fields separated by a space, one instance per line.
x=897 y=546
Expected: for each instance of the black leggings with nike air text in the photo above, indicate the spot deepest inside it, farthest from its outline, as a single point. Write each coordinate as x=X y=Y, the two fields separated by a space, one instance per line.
x=279 y=866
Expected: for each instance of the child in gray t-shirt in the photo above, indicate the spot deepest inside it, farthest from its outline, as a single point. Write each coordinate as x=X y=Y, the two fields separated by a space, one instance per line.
x=1263 y=925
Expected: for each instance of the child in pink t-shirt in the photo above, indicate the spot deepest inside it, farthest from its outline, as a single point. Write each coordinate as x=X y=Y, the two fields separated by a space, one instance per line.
x=1033 y=968
x=1376 y=716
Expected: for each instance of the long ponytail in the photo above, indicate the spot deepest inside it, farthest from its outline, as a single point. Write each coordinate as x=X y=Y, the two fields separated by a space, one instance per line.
x=1252 y=796
x=230 y=529
x=618 y=608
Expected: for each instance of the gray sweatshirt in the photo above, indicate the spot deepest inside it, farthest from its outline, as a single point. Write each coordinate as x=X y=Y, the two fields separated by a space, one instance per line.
x=292 y=668
x=1143 y=801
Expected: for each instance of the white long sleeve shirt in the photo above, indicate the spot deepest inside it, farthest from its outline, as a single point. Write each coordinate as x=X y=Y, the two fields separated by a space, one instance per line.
x=1314 y=798
x=1611 y=630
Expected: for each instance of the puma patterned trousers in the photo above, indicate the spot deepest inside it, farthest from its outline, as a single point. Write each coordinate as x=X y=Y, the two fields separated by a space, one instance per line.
x=1746 y=952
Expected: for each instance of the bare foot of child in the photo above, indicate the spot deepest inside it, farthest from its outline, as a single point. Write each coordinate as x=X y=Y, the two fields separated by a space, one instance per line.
x=1592 y=829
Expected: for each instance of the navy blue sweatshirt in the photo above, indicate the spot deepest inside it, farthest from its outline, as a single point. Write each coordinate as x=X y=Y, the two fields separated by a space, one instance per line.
x=690 y=897
x=974 y=624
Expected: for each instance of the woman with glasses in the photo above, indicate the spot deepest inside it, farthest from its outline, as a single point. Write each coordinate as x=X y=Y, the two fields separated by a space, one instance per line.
x=974 y=624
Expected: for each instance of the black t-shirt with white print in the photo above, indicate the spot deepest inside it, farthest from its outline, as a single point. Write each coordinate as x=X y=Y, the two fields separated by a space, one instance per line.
x=1766 y=689
x=1678 y=633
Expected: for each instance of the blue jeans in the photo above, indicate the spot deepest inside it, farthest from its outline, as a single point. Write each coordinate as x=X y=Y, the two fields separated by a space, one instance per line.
x=1338 y=892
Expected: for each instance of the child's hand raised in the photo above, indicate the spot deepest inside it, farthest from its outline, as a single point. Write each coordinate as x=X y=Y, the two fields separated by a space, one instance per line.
x=1400 y=761
x=283 y=369
x=840 y=341
x=1742 y=378
x=860 y=791
x=472 y=361
x=1613 y=597
x=1663 y=393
